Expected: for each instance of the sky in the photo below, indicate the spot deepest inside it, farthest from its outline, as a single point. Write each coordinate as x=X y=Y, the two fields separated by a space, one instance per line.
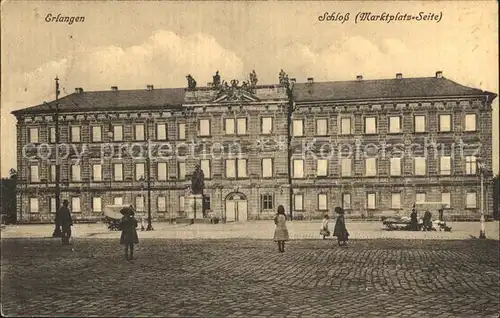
x=134 y=44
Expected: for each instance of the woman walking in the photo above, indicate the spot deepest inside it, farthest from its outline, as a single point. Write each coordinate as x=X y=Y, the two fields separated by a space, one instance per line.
x=128 y=225
x=340 y=230
x=281 y=231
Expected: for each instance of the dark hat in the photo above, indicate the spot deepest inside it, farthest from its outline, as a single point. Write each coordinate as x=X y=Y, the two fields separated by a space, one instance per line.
x=65 y=202
x=339 y=210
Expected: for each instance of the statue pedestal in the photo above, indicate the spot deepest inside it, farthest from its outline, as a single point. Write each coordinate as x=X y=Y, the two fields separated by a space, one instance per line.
x=195 y=206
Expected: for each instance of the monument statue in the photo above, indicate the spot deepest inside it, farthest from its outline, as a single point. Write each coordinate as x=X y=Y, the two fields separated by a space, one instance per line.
x=216 y=79
x=281 y=76
x=253 y=79
x=191 y=82
x=197 y=181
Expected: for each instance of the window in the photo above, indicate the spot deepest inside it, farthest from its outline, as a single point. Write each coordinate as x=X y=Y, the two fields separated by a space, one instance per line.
x=236 y=168
x=266 y=125
x=139 y=171
x=298 y=202
x=204 y=127
x=206 y=203
x=394 y=124
x=298 y=168
x=322 y=127
x=139 y=203
x=53 y=205
x=346 y=201
x=267 y=202
x=396 y=201
x=75 y=204
x=470 y=201
x=370 y=125
x=76 y=173
x=395 y=166
x=34 y=205
x=52 y=134
x=470 y=165
x=161 y=132
x=322 y=167
x=162 y=171
x=96 y=133
x=181 y=203
x=345 y=126
x=181 y=170
x=370 y=167
x=97 y=204
x=52 y=173
x=371 y=201
x=446 y=199
x=33 y=135
x=298 y=128
x=229 y=124
x=34 y=175
x=75 y=134
x=419 y=123
x=420 y=166
x=470 y=122
x=267 y=168
x=322 y=202
x=205 y=166
x=97 y=172
x=118 y=171
x=345 y=167
x=420 y=197
x=445 y=165
x=117 y=133
x=139 y=132
x=181 y=131
x=118 y=200
x=241 y=128
x=162 y=207
x=444 y=123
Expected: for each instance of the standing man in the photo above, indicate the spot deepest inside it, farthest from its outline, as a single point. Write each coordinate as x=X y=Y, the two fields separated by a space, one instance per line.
x=64 y=217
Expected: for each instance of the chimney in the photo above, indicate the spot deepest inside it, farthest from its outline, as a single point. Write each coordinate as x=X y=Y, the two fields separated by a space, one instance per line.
x=150 y=87
x=399 y=75
x=310 y=80
x=359 y=77
x=439 y=74
x=114 y=88
x=78 y=90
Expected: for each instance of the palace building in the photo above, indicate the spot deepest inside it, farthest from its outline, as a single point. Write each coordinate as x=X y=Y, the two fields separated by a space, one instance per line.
x=375 y=147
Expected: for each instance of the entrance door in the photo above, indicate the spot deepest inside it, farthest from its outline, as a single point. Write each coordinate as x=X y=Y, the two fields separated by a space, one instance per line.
x=236 y=208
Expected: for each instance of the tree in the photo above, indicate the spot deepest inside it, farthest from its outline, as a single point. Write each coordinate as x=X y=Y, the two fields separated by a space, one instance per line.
x=8 y=203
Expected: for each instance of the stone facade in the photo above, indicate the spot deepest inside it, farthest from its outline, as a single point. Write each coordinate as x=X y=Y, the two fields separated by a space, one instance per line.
x=226 y=133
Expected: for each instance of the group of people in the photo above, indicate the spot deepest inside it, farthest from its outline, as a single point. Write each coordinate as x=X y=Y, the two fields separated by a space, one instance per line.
x=281 y=232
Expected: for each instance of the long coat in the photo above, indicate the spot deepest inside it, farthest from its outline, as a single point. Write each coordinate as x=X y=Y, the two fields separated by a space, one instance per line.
x=128 y=226
x=281 y=231
x=340 y=230
x=63 y=218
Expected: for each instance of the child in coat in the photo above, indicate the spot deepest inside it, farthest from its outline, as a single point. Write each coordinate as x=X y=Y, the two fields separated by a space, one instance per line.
x=128 y=225
x=281 y=231
x=324 y=227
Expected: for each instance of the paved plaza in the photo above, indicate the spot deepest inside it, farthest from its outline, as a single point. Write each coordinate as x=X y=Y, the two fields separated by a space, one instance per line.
x=248 y=277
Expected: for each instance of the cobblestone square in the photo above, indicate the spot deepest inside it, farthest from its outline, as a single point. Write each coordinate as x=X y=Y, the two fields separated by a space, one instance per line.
x=244 y=277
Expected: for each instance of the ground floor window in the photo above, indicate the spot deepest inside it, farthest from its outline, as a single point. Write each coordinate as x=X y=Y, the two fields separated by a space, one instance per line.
x=470 y=202
x=34 y=205
x=267 y=202
x=298 y=202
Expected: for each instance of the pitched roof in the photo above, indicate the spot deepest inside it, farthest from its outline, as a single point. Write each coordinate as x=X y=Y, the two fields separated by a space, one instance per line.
x=302 y=92
x=112 y=100
x=384 y=88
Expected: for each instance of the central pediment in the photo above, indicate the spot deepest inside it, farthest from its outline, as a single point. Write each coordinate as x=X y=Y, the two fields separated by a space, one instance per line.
x=234 y=94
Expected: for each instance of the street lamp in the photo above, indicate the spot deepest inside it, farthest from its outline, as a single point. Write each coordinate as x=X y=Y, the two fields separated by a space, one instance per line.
x=57 y=230
x=481 y=170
